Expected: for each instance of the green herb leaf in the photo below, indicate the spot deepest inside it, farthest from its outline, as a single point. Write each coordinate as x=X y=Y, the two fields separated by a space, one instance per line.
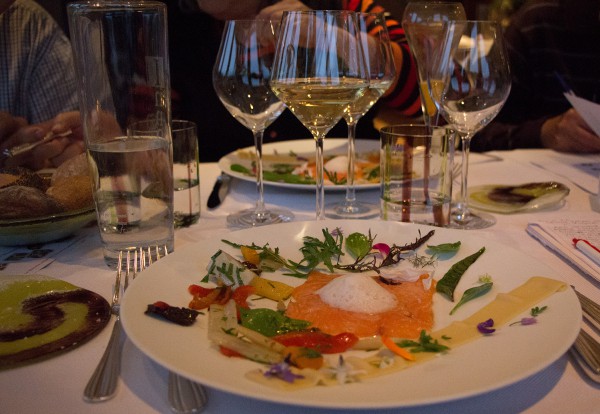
x=240 y=168
x=473 y=293
x=358 y=244
x=374 y=173
x=424 y=344
x=448 y=283
x=334 y=178
x=537 y=310
x=270 y=322
x=445 y=247
x=287 y=178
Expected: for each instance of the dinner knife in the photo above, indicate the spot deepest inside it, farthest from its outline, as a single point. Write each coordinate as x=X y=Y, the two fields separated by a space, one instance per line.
x=22 y=148
x=219 y=191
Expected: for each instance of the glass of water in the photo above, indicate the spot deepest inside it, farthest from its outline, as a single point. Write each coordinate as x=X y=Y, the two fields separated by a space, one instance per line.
x=122 y=67
x=186 y=179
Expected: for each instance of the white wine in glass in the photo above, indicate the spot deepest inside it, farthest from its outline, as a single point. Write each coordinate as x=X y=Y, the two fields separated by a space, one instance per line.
x=422 y=22
x=319 y=70
x=472 y=68
x=381 y=69
x=241 y=78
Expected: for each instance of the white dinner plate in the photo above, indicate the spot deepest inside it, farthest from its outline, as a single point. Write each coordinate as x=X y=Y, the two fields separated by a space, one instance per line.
x=512 y=353
x=303 y=148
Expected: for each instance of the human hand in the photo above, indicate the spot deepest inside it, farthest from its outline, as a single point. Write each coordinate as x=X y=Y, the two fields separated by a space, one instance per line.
x=50 y=154
x=275 y=11
x=9 y=125
x=569 y=132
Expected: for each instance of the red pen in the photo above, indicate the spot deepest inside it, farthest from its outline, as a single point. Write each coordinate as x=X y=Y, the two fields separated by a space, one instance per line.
x=588 y=249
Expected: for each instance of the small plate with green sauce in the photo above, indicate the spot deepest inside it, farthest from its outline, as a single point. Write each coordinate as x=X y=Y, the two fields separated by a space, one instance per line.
x=42 y=317
x=519 y=198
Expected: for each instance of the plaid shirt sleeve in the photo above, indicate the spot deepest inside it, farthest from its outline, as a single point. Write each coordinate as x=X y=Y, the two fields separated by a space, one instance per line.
x=37 y=79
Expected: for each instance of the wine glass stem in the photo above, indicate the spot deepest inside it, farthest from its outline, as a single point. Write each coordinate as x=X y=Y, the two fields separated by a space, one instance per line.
x=260 y=202
x=320 y=206
x=462 y=207
x=350 y=191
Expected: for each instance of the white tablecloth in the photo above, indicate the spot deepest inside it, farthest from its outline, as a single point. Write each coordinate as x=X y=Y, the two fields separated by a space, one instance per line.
x=56 y=385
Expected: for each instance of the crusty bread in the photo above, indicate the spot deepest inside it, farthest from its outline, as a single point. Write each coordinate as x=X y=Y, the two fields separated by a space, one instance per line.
x=73 y=193
x=21 y=202
x=22 y=176
x=77 y=165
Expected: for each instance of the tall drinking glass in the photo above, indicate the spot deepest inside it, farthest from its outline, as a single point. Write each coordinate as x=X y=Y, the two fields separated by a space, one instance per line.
x=319 y=70
x=122 y=66
x=472 y=69
x=422 y=22
x=377 y=47
x=241 y=78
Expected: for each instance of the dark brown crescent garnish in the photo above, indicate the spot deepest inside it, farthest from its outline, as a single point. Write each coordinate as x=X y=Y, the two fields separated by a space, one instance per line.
x=48 y=315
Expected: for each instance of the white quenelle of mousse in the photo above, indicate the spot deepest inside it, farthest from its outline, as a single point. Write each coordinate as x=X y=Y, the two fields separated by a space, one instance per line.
x=357 y=292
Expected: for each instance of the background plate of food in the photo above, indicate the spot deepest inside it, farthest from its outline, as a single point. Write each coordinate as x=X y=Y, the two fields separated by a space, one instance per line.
x=513 y=352
x=290 y=164
x=520 y=198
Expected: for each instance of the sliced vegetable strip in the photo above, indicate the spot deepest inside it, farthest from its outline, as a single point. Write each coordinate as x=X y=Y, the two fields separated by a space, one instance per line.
x=392 y=346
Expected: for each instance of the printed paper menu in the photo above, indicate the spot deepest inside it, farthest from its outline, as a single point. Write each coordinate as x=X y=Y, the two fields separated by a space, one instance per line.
x=557 y=234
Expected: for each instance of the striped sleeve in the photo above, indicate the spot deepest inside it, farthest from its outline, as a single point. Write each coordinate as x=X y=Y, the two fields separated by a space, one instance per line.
x=403 y=95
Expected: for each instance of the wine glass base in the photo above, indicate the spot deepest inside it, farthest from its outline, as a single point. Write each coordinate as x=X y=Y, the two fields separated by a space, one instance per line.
x=471 y=221
x=355 y=210
x=249 y=218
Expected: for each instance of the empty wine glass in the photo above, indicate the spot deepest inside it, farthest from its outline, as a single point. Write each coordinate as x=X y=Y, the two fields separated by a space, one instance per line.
x=422 y=22
x=379 y=58
x=241 y=78
x=473 y=82
x=319 y=70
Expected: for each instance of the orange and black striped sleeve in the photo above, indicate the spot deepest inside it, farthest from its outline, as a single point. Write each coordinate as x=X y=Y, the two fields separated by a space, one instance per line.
x=403 y=95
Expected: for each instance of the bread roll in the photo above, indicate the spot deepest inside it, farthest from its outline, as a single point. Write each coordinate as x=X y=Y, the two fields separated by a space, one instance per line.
x=77 y=165
x=21 y=202
x=73 y=193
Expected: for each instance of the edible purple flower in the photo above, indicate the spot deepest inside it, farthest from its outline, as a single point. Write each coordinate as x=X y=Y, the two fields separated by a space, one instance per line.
x=382 y=248
x=337 y=232
x=528 y=321
x=485 y=327
x=525 y=321
x=282 y=371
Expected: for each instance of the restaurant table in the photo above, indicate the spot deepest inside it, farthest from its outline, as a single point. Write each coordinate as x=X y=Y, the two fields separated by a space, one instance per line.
x=55 y=385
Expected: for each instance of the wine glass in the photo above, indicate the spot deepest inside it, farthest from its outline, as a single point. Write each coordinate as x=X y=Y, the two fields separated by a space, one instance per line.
x=319 y=70
x=471 y=82
x=376 y=45
x=241 y=78
x=422 y=22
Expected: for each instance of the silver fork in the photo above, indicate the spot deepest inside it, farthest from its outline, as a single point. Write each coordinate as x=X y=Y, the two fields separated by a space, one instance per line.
x=185 y=396
x=103 y=382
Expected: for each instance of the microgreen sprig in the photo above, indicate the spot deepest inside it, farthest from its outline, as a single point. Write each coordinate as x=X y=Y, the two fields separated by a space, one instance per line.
x=425 y=343
x=329 y=252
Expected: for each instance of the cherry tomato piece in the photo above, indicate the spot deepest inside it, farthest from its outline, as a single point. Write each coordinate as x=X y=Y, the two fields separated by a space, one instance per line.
x=319 y=341
x=240 y=295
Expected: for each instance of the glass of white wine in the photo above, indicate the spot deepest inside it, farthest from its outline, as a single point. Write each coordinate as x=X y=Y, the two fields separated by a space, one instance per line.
x=375 y=40
x=474 y=75
x=319 y=70
x=241 y=78
x=422 y=22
